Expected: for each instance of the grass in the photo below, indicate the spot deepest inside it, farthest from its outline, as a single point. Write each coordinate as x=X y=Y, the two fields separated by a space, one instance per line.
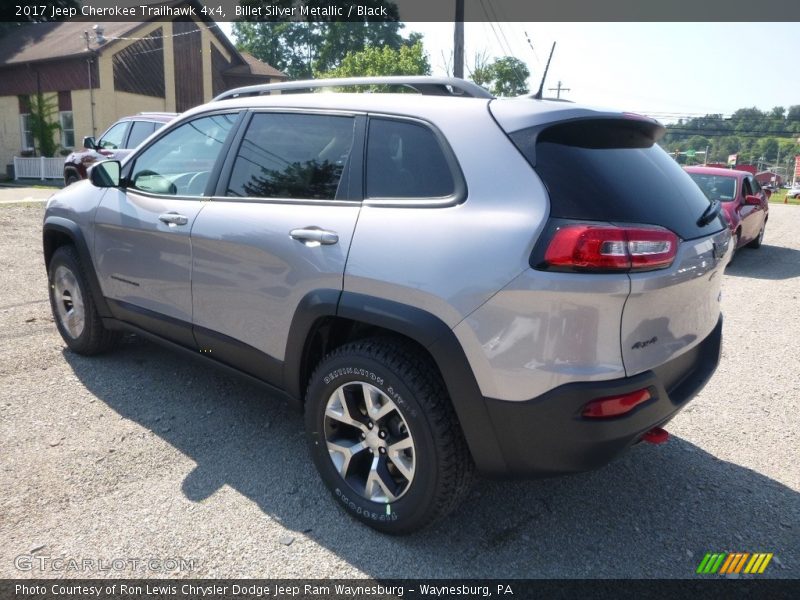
x=779 y=197
x=9 y=205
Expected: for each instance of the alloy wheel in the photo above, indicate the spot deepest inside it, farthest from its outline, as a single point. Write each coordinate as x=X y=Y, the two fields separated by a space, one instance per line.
x=369 y=442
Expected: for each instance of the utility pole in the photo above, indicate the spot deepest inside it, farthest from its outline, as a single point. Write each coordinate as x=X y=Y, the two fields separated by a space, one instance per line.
x=558 y=89
x=458 y=41
x=89 y=61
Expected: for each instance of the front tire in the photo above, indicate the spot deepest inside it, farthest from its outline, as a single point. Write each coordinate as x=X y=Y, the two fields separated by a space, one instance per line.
x=73 y=306
x=756 y=243
x=384 y=437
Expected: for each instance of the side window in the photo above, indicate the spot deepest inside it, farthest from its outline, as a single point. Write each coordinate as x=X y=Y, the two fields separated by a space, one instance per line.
x=114 y=137
x=756 y=186
x=139 y=131
x=180 y=163
x=292 y=156
x=405 y=160
x=747 y=190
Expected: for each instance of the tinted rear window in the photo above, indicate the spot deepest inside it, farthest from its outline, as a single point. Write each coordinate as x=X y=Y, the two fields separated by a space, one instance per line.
x=612 y=170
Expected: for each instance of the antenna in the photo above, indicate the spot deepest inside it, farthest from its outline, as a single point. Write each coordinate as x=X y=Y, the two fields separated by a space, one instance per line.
x=538 y=95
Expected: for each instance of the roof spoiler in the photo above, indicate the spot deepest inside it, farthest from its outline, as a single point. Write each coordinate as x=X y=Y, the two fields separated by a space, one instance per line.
x=430 y=86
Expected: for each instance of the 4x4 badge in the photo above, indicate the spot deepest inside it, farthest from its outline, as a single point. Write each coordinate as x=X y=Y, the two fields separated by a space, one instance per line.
x=644 y=343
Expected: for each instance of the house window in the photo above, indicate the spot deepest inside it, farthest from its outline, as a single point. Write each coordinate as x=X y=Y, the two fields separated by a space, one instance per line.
x=27 y=134
x=67 y=129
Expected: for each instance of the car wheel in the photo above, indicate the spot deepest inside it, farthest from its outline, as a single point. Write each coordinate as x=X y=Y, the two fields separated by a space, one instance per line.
x=71 y=178
x=756 y=243
x=384 y=437
x=73 y=306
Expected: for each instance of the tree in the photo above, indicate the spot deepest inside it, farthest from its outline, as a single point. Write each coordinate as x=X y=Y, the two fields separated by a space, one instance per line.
x=299 y=48
x=510 y=77
x=42 y=123
x=505 y=76
x=376 y=61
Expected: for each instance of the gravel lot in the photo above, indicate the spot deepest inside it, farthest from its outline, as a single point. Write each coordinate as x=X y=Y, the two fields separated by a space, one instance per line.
x=142 y=454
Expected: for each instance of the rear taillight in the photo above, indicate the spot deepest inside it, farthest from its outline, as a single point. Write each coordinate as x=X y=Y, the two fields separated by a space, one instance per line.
x=607 y=247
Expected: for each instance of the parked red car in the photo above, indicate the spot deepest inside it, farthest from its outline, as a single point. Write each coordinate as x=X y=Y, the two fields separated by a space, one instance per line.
x=744 y=202
x=117 y=142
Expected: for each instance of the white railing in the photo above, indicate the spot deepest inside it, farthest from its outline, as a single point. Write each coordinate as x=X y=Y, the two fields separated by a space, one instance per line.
x=38 y=168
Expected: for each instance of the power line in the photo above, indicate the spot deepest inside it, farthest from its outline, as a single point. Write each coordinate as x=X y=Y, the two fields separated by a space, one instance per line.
x=505 y=49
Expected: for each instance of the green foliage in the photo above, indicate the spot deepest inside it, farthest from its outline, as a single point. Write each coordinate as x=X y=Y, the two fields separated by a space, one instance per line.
x=765 y=137
x=43 y=124
x=378 y=61
x=505 y=76
x=300 y=48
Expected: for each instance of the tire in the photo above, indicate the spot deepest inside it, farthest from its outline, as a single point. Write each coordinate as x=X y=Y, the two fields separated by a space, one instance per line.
x=71 y=178
x=756 y=243
x=73 y=306
x=429 y=470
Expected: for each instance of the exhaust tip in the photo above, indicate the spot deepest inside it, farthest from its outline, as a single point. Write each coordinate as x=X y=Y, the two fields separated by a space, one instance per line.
x=656 y=435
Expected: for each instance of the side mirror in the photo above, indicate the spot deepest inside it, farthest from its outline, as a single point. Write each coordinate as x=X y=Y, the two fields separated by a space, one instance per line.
x=105 y=174
x=752 y=200
x=89 y=143
x=768 y=192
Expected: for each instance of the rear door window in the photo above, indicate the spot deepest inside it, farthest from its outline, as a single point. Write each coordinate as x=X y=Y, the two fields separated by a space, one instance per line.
x=292 y=156
x=612 y=170
x=405 y=160
x=139 y=131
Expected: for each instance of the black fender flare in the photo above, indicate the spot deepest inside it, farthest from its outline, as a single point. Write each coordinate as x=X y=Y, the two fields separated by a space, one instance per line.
x=424 y=328
x=71 y=230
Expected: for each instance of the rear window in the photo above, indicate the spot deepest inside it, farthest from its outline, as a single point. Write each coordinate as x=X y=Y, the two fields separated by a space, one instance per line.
x=612 y=170
x=715 y=187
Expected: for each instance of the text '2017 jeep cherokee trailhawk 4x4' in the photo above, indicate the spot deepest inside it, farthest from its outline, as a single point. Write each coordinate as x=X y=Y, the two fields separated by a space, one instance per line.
x=443 y=281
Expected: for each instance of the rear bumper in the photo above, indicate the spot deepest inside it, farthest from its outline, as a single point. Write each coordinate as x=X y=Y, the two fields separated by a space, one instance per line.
x=548 y=436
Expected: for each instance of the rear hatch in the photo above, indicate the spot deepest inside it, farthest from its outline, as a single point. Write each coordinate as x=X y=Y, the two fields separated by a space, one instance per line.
x=618 y=202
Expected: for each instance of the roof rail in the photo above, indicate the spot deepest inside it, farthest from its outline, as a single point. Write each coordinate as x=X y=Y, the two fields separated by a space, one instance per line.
x=431 y=86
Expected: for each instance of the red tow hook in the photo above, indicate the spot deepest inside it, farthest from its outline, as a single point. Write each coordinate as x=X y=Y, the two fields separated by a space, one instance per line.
x=656 y=435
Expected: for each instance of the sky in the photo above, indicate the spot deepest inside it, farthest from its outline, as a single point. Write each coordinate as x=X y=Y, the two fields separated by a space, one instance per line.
x=665 y=70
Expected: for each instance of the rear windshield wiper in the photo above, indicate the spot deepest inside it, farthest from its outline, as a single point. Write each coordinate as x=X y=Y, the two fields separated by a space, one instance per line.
x=709 y=214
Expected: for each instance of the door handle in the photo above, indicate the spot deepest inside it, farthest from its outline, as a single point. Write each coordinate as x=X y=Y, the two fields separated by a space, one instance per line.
x=173 y=218
x=314 y=235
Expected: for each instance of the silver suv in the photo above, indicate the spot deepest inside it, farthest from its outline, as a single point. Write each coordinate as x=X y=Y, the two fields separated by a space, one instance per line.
x=444 y=282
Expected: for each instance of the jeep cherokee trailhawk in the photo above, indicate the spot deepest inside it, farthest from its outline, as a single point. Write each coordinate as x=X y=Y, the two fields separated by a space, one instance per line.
x=443 y=281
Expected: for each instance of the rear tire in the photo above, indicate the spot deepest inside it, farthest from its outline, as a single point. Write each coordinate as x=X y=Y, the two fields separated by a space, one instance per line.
x=73 y=306
x=71 y=178
x=416 y=468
